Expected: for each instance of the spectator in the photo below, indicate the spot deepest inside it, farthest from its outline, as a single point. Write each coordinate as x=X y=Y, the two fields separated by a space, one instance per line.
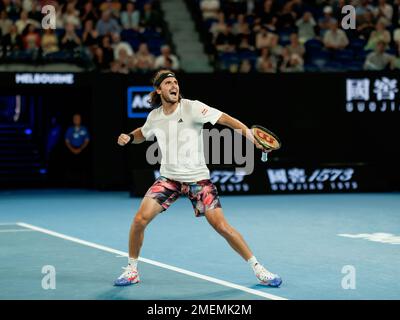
x=125 y=61
x=90 y=36
x=363 y=7
x=71 y=16
x=287 y=17
x=334 y=38
x=70 y=40
x=218 y=26
x=13 y=9
x=294 y=63
x=266 y=63
x=112 y=6
x=306 y=27
x=107 y=52
x=245 y=66
x=384 y=12
x=365 y=25
x=240 y=26
x=12 y=41
x=161 y=61
x=379 y=34
x=144 y=59
x=226 y=41
x=107 y=25
x=36 y=11
x=378 y=59
x=326 y=21
x=295 y=46
x=150 y=19
x=209 y=8
x=268 y=11
x=24 y=21
x=119 y=45
x=89 y=12
x=130 y=18
x=275 y=48
x=5 y=23
x=49 y=42
x=31 y=39
x=396 y=36
x=264 y=38
x=77 y=140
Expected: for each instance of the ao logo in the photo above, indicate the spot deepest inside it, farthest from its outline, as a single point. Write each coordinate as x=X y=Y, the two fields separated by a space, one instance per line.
x=138 y=106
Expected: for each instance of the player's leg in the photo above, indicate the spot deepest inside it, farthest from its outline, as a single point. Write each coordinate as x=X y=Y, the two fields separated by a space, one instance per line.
x=217 y=220
x=157 y=199
x=148 y=210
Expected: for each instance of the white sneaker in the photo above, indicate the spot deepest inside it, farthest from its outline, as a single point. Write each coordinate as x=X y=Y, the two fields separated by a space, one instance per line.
x=266 y=277
x=128 y=277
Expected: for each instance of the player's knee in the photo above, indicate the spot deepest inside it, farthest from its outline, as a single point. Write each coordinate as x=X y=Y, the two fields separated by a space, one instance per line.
x=140 y=221
x=222 y=228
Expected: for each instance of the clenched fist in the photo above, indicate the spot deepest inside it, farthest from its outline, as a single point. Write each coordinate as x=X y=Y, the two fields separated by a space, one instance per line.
x=123 y=139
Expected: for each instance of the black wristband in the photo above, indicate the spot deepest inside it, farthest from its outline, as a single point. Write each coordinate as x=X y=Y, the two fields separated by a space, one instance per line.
x=132 y=138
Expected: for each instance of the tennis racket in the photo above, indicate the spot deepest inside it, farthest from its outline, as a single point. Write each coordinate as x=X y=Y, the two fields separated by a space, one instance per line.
x=267 y=139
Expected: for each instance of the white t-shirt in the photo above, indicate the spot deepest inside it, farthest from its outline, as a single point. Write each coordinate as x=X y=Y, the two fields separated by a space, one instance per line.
x=180 y=139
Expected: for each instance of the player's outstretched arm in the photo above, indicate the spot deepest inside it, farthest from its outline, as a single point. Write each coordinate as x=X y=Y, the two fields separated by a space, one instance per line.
x=134 y=137
x=227 y=120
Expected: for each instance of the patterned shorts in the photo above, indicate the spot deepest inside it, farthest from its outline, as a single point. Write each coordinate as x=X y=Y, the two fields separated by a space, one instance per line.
x=203 y=194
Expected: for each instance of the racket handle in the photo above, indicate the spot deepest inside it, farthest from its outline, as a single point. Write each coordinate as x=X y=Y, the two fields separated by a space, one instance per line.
x=264 y=157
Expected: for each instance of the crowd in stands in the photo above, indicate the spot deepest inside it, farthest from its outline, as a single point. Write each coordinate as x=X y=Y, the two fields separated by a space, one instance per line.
x=300 y=35
x=111 y=35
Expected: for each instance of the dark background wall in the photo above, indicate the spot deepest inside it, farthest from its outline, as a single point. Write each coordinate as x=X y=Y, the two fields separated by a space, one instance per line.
x=307 y=111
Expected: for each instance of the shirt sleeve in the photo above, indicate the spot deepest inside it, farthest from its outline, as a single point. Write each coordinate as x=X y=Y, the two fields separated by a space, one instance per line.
x=68 y=134
x=203 y=113
x=147 y=128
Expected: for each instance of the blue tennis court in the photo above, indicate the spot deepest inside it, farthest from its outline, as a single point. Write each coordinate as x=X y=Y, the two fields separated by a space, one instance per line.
x=312 y=241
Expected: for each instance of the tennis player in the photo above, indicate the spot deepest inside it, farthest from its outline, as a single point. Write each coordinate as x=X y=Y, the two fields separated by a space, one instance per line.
x=172 y=119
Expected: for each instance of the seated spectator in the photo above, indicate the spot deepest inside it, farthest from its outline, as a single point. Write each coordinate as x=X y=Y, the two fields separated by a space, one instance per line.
x=107 y=52
x=364 y=6
x=89 y=12
x=12 y=41
x=267 y=12
x=245 y=66
x=384 y=13
x=240 y=26
x=264 y=38
x=112 y=6
x=379 y=34
x=209 y=8
x=150 y=19
x=13 y=9
x=275 y=48
x=24 y=21
x=144 y=61
x=70 y=40
x=31 y=38
x=306 y=27
x=326 y=21
x=119 y=45
x=266 y=63
x=125 y=61
x=71 y=16
x=5 y=23
x=226 y=40
x=90 y=36
x=117 y=67
x=295 y=46
x=335 y=38
x=161 y=61
x=378 y=59
x=130 y=17
x=365 y=25
x=49 y=42
x=107 y=25
x=218 y=26
x=244 y=44
x=286 y=17
x=35 y=13
x=293 y=63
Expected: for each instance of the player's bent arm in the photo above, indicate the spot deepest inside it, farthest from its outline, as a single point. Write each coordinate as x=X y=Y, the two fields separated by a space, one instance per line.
x=137 y=134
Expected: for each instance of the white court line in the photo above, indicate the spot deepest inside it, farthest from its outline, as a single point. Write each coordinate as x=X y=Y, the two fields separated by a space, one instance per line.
x=7 y=224
x=16 y=230
x=155 y=263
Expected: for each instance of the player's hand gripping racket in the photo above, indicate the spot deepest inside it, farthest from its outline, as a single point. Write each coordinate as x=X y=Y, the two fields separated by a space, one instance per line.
x=267 y=139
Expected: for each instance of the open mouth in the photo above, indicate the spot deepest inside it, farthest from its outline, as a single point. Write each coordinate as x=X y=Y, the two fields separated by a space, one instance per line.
x=173 y=93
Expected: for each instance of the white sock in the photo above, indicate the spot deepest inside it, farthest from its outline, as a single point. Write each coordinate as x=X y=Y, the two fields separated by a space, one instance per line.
x=252 y=261
x=133 y=262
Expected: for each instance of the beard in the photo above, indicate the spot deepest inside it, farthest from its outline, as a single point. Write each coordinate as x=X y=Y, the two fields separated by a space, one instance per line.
x=168 y=99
